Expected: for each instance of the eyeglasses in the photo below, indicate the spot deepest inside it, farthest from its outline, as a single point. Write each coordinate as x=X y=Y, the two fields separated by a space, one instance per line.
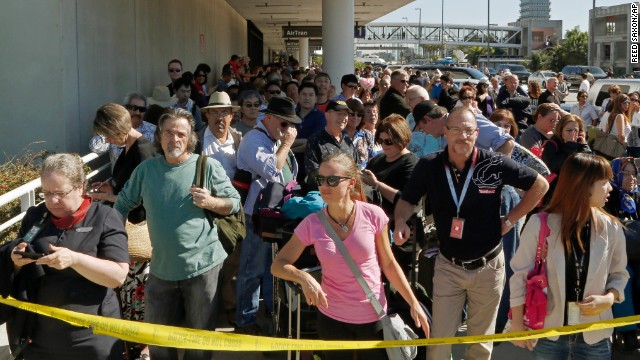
x=219 y=114
x=352 y=86
x=274 y=92
x=358 y=114
x=57 y=195
x=135 y=108
x=251 y=105
x=175 y=70
x=582 y=97
x=458 y=131
x=387 y=142
x=332 y=180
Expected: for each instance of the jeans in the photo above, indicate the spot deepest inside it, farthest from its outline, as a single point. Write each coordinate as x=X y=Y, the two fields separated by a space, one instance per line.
x=571 y=347
x=510 y=243
x=254 y=273
x=626 y=308
x=190 y=303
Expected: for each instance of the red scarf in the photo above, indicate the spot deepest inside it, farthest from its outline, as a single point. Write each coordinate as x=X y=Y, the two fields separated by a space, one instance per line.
x=67 y=222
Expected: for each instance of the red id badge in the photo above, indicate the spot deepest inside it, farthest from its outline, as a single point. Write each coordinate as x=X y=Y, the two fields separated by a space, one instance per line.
x=457 y=226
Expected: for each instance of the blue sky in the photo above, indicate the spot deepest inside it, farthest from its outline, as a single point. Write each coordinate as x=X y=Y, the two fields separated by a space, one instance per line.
x=572 y=12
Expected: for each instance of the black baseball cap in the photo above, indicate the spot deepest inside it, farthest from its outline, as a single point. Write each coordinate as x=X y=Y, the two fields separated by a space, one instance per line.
x=428 y=108
x=337 y=105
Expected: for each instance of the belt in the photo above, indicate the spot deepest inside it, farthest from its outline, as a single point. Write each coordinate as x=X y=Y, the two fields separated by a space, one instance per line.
x=475 y=263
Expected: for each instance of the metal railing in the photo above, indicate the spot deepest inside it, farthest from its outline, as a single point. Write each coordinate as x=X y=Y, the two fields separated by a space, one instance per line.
x=27 y=195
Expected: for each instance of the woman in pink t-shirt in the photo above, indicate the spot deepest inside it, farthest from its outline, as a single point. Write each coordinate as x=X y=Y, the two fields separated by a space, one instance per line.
x=345 y=312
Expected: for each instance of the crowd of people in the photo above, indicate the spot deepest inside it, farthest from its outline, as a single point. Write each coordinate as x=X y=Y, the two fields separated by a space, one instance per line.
x=383 y=150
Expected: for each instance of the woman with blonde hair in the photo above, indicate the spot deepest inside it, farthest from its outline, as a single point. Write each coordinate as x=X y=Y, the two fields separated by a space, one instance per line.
x=585 y=262
x=345 y=313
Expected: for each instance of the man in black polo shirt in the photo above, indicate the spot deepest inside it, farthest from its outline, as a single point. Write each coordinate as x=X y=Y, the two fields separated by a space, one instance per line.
x=329 y=140
x=470 y=267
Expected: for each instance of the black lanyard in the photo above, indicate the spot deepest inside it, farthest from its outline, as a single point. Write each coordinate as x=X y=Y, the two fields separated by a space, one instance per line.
x=579 y=262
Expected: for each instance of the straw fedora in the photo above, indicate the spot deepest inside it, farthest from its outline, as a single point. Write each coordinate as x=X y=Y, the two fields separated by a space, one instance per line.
x=220 y=99
x=161 y=97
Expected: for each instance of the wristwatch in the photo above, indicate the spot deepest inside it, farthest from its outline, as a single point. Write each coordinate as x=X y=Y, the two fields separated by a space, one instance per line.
x=508 y=222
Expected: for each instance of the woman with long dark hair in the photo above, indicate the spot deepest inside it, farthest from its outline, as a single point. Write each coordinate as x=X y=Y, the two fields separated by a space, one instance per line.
x=585 y=262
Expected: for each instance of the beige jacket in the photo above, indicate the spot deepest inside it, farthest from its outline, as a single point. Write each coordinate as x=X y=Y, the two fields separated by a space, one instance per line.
x=607 y=269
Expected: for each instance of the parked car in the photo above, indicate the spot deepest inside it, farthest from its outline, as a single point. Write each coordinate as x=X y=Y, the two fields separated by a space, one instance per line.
x=600 y=89
x=457 y=72
x=572 y=73
x=541 y=77
x=520 y=71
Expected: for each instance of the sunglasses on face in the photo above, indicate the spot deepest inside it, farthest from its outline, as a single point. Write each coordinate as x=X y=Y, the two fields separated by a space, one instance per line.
x=135 y=108
x=274 y=92
x=332 y=180
x=387 y=142
x=356 y=114
x=175 y=70
x=252 y=105
x=626 y=102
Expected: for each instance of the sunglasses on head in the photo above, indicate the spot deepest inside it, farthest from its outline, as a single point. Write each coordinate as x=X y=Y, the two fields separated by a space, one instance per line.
x=332 y=180
x=356 y=114
x=387 y=142
x=135 y=107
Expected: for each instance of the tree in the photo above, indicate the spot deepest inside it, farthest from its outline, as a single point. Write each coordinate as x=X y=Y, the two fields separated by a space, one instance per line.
x=574 y=48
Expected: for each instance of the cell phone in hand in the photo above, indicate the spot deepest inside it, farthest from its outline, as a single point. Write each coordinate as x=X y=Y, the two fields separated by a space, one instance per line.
x=28 y=255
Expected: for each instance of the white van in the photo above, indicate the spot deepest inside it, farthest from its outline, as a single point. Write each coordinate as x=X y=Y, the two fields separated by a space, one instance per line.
x=600 y=89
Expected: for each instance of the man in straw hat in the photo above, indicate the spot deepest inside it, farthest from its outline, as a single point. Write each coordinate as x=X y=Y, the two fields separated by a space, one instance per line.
x=265 y=152
x=220 y=141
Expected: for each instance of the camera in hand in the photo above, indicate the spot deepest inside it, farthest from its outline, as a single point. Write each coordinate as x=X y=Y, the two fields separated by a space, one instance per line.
x=29 y=255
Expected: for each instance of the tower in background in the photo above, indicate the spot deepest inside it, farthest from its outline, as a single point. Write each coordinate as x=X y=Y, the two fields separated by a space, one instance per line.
x=535 y=10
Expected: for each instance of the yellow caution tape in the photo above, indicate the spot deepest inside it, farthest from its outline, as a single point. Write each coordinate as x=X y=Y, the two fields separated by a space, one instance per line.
x=170 y=336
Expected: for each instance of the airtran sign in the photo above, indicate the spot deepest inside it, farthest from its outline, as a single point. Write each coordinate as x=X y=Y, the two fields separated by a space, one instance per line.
x=314 y=31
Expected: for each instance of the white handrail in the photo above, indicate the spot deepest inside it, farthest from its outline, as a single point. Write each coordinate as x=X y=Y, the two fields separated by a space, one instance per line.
x=26 y=193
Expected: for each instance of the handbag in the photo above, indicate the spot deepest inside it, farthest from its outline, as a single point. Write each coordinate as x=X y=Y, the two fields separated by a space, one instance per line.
x=139 y=241
x=608 y=145
x=393 y=327
x=231 y=228
x=535 y=305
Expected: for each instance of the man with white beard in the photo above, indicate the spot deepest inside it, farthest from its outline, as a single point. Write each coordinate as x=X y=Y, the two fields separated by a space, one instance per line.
x=187 y=254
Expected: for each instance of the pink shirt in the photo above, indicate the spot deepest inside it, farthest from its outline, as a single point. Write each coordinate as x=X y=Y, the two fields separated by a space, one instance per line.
x=347 y=301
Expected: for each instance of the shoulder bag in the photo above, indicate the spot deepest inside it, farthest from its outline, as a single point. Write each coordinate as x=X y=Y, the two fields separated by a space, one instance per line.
x=393 y=326
x=535 y=306
x=232 y=227
x=608 y=145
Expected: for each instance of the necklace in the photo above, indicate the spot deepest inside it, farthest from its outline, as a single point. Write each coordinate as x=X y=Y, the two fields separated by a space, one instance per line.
x=344 y=226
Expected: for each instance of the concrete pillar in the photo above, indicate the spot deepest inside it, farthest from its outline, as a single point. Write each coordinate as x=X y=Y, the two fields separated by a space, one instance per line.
x=613 y=55
x=337 y=38
x=303 y=45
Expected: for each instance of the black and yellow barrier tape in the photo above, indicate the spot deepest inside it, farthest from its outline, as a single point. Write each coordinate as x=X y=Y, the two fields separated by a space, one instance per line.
x=170 y=336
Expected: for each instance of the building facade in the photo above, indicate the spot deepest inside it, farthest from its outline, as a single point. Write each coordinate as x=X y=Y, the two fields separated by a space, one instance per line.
x=535 y=10
x=610 y=42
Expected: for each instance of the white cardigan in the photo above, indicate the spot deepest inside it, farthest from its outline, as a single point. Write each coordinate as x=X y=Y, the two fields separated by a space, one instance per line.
x=607 y=269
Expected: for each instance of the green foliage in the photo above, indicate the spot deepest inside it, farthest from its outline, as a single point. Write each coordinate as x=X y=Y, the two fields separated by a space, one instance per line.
x=573 y=50
x=358 y=64
x=474 y=52
x=543 y=60
x=14 y=173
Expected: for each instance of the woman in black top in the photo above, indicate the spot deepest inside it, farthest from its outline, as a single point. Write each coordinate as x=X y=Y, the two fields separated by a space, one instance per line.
x=85 y=256
x=388 y=172
x=623 y=203
x=114 y=123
